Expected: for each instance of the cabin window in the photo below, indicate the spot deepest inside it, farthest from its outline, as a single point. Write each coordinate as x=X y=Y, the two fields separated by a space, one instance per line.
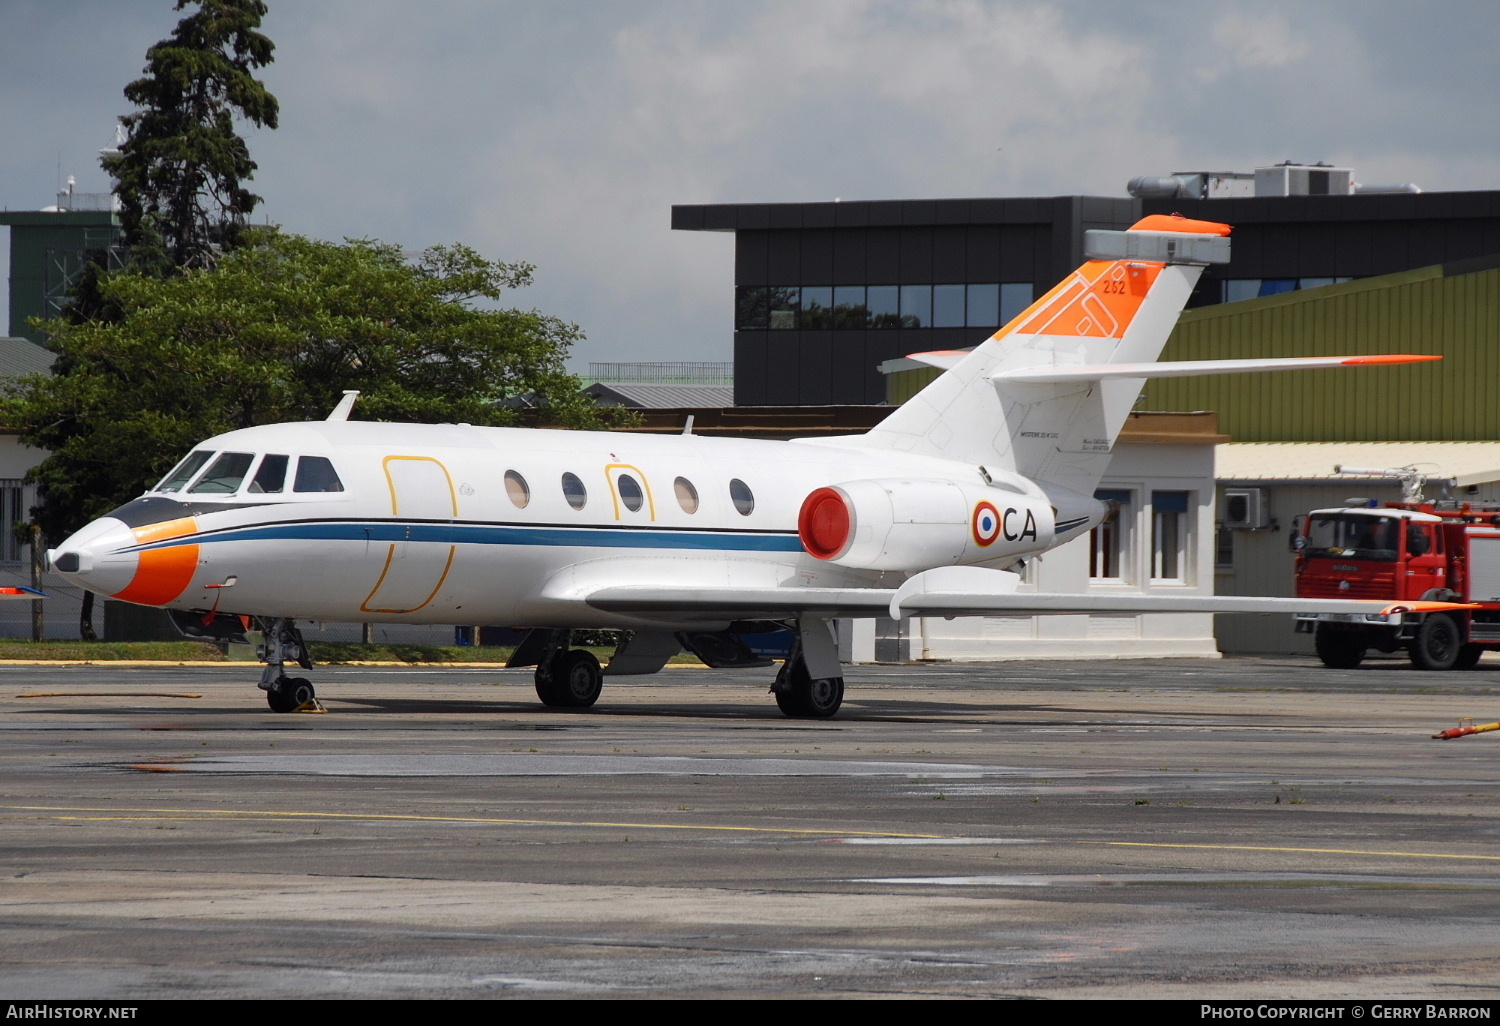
x=224 y=475
x=687 y=495
x=630 y=492
x=316 y=474
x=573 y=491
x=740 y=493
x=184 y=472
x=518 y=490
x=270 y=479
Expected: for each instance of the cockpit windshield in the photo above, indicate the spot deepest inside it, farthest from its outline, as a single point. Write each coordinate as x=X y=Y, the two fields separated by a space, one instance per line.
x=184 y=471
x=223 y=477
x=1353 y=536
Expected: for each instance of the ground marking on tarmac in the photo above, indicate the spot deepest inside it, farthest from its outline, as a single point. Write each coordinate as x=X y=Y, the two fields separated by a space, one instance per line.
x=108 y=694
x=179 y=814
x=1316 y=851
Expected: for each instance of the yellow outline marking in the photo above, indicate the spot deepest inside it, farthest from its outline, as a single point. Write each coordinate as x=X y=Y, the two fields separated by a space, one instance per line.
x=614 y=491
x=385 y=465
x=211 y=815
x=1316 y=851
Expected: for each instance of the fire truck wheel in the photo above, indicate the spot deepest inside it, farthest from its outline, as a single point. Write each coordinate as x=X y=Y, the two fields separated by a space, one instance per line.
x=1339 y=650
x=1468 y=657
x=1437 y=643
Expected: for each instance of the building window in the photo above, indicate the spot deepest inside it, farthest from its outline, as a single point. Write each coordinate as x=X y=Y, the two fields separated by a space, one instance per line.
x=948 y=306
x=786 y=307
x=1223 y=548
x=1015 y=297
x=1109 y=542
x=1169 y=556
x=12 y=515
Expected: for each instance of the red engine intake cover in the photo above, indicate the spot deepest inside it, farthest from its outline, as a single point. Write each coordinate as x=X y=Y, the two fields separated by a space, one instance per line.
x=823 y=523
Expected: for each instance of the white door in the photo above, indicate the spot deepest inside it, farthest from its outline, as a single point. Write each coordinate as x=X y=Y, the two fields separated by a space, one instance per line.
x=419 y=550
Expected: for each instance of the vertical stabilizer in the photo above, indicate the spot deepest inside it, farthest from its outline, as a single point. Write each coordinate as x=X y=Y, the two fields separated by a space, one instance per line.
x=1119 y=307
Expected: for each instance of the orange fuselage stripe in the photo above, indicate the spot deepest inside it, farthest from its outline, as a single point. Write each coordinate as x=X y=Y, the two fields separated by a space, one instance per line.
x=162 y=574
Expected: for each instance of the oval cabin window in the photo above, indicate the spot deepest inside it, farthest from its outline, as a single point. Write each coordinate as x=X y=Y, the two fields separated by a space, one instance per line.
x=687 y=495
x=744 y=501
x=517 y=489
x=630 y=492
x=574 y=491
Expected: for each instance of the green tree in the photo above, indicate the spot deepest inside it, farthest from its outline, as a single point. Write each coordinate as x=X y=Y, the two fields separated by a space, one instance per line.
x=276 y=332
x=182 y=169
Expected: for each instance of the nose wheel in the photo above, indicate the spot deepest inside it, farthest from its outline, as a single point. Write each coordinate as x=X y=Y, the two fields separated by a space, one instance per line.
x=281 y=644
x=290 y=694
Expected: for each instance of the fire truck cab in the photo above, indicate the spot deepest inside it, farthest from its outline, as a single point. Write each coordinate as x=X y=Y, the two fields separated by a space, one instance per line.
x=1445 y=551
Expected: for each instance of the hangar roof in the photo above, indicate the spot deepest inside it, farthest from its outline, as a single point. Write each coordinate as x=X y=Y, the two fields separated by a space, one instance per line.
x=1466 y=462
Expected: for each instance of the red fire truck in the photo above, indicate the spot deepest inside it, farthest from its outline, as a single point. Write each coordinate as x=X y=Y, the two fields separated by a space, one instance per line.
x=1446 y=551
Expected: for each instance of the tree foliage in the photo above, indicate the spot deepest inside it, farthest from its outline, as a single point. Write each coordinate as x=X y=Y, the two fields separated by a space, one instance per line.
x=276 y=332
x=182 y=169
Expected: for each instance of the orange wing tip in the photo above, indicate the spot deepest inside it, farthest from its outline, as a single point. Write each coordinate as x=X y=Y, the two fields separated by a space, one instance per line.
x=1390 y=358
x=1178 y=223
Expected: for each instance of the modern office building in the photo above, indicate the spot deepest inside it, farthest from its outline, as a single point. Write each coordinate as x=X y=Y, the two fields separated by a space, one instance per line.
x=825 y=293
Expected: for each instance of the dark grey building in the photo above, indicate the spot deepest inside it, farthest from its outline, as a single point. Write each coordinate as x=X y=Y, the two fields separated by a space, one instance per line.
x=826 y=292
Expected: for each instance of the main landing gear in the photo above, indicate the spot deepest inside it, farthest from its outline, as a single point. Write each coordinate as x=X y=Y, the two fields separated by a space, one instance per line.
x=809 y=684
x=567 y=678
x=281 y=644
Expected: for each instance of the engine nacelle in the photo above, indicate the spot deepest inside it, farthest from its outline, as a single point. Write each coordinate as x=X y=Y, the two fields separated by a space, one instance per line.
x=914 y=524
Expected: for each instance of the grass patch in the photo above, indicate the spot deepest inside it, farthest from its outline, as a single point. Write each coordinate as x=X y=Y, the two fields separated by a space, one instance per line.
x=90 y=651
x=335 y=652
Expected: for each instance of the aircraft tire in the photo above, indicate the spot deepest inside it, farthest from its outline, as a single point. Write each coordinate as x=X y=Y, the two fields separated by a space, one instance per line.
x=789 y=704
x=290 y=694
x=547 y=687
x=1339 y=650
x=823 y=697
x=807 y=698
x=581 y=679
x=1437 y=644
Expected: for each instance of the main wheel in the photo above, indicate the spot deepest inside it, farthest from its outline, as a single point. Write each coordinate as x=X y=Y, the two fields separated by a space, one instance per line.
x=806 y=697
x=290 y=694
x=1468 y=657
x=1437 y=643
x=570 y=680
x=581 y=679
x=1339 y=650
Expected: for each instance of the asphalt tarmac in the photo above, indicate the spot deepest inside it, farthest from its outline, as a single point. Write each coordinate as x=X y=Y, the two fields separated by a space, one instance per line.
x=1242 y=828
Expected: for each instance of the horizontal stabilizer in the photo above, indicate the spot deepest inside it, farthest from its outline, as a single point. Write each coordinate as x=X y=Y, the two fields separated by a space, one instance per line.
x=942 y=359
x=1052 y=375
x=21 y=592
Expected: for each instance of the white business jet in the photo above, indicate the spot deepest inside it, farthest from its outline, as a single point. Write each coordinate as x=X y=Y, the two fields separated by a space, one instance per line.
x=683 y=540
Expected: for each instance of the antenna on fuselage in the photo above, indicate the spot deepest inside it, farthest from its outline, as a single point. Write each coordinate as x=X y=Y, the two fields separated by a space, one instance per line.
x=687 y=428
x=345 y=406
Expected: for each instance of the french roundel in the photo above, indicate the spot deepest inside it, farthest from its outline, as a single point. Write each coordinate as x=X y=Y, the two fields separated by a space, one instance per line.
x=986 y=524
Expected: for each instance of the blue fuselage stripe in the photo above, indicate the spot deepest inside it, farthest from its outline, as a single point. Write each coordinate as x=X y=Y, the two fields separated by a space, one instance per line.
x=487 y=534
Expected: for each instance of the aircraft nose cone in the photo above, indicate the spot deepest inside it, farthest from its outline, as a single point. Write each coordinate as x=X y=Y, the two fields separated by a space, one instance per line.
x=98 y=557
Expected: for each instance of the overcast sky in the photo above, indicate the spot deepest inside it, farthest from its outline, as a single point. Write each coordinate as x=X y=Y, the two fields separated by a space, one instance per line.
x=561 y=132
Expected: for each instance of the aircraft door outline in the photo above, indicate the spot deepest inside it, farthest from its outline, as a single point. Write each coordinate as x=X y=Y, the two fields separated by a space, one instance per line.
x=415 y=568
x=612 y=473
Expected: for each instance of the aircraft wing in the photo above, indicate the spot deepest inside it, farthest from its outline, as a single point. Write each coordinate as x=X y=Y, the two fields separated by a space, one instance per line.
x=698 y=603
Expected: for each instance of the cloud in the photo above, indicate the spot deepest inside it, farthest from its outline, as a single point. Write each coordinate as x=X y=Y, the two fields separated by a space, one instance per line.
x=563 y=132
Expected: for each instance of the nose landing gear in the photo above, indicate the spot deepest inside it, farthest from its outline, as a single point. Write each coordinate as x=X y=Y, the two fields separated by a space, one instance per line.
x=282 y=643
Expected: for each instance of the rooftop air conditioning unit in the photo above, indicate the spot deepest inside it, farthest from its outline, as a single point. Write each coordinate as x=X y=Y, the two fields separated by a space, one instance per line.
x=1245 y=509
